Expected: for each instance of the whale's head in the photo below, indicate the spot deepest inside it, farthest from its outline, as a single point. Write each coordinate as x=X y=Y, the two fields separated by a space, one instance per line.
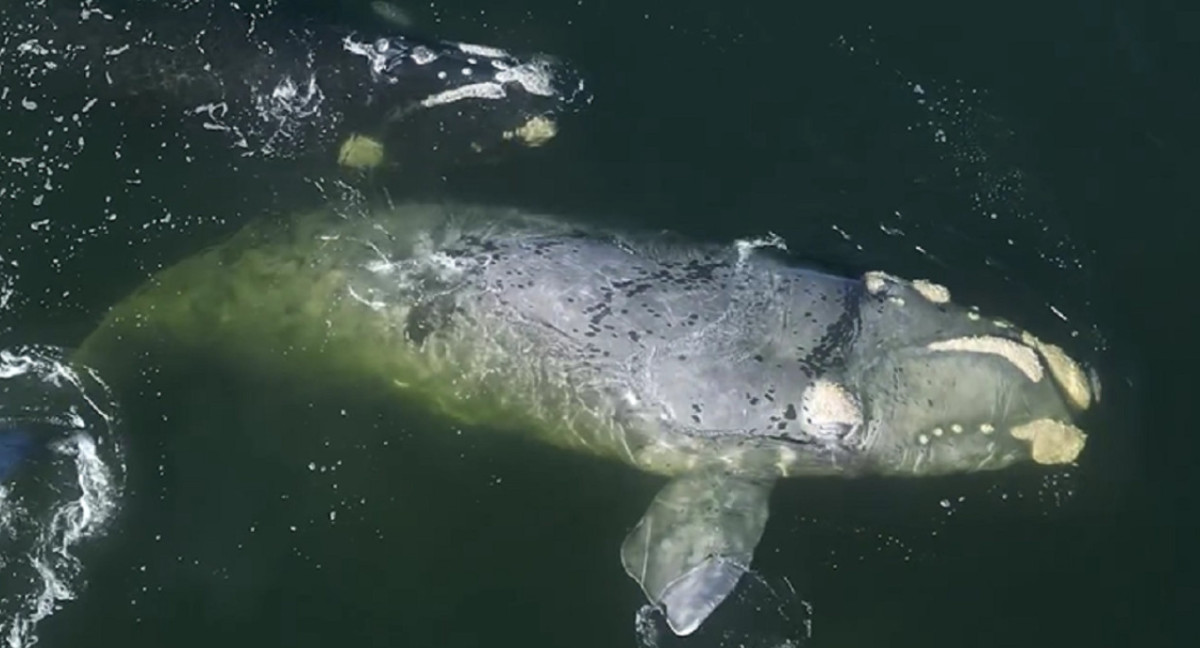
x=939 y=388
x=466 y=96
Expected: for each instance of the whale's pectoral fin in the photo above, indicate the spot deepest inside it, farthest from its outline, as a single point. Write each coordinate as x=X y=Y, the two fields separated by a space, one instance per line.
x=695 y=542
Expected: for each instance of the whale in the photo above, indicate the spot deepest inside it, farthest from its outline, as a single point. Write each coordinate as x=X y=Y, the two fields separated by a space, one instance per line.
x=272 y=86
x=722 y=368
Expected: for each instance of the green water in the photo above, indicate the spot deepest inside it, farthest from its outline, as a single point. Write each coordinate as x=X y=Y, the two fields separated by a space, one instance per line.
x=1026 y=156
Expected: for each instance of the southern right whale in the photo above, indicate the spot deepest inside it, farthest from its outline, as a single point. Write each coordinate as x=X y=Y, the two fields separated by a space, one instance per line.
x=723 y=368
x=292 y=86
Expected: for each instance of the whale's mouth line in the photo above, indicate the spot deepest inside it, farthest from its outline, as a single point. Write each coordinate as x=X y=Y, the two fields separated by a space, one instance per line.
x=751 y=434
x=791 y=440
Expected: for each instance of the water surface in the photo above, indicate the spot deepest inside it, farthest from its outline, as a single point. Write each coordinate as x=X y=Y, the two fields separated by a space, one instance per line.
x=1005 y=151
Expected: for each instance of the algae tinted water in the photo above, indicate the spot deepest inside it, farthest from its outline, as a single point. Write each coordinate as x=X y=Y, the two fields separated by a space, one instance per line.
x=978 y=147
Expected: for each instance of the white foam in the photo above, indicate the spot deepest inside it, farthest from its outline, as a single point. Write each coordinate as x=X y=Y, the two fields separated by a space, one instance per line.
x=85 y=474
x=482 y=50
x=745 y=247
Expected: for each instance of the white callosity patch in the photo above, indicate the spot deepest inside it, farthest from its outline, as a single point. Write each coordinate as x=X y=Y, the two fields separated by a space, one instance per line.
x=883 y=284
x=1066 y=372
x=1053 y=442
x=55 y=504
x=1019 y=355
x=421 y=55
x=481 y=50
x=485 y=90
x=828 y=411
x=377 y=54
x=535 y=77
x=360 y=152
x=535 y=132
x=935 y=293
x=877 y=282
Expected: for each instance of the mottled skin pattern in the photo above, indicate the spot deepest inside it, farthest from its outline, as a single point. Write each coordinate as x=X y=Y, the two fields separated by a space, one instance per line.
x=683 y=355
x=662 y=355
x=723 y=367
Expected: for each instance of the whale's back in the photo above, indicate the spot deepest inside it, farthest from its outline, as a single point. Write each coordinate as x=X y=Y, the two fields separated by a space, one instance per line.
x=660 y=354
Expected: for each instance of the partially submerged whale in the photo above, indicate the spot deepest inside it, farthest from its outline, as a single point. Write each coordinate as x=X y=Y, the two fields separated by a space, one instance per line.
x=724 y=368
x=280 y=85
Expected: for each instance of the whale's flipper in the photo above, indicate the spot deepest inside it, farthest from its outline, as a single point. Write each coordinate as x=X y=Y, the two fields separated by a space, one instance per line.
x=695 y=542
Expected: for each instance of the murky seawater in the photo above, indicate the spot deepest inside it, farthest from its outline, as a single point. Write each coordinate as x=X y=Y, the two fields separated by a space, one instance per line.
x=190 y=505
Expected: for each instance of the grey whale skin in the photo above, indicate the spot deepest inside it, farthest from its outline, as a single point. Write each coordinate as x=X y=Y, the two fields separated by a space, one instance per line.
x=724 y=368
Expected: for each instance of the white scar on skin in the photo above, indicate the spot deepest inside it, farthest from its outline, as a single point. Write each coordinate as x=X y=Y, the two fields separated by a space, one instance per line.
x=1019 y=355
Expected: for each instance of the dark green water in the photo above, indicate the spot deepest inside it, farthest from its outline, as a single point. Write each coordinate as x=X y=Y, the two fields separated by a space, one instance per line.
x=1026 y=156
